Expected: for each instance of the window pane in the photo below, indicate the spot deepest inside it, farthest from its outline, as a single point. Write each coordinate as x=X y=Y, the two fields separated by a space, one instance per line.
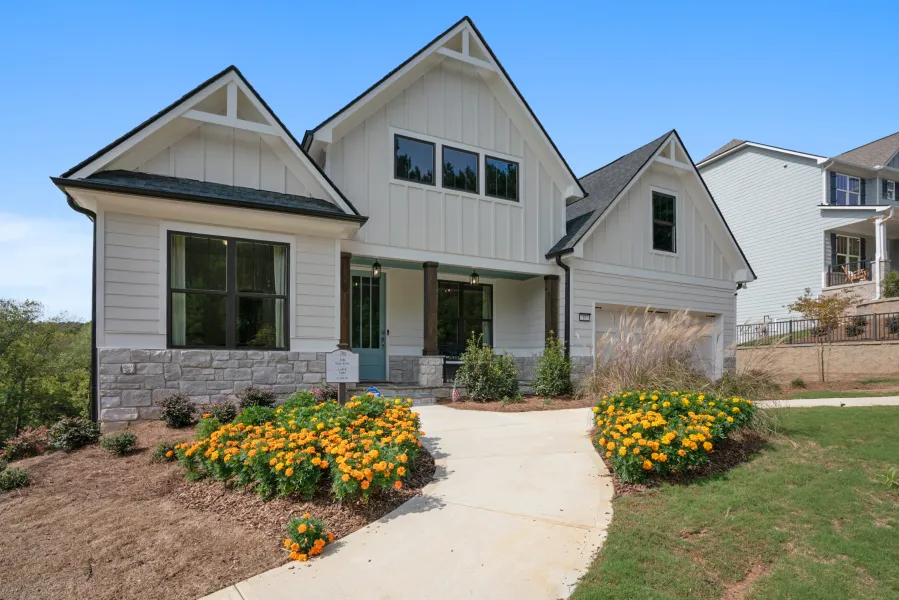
x=842 y=182
x=841 y=198
x=356 y=341
x=853 y=199
x=260 y=322
x=663 y=207
x=414 y=160
x=853 y=184
x=855 y=246
x=460 y=170
x=365 y=312
x=204 y=261
x=375 y=313
x=663 y=237
x=201 y=321
x=841 y=244
x=501 y=179
x=448 y=313
x=261 y=268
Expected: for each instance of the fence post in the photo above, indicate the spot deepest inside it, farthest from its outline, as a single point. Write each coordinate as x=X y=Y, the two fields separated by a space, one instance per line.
x=791 y=332
x=876 y=334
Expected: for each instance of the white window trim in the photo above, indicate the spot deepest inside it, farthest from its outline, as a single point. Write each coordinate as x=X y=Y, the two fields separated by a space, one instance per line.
x=836 y=252
x=252 y=234
x=439 y=143
x=678 y=210
x=833 y=200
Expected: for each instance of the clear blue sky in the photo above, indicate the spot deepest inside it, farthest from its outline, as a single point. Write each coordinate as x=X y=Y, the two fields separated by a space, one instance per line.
x=603 y=77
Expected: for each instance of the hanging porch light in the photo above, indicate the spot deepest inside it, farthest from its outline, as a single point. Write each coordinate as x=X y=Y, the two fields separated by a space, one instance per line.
x=474 y=278
x=376 y=270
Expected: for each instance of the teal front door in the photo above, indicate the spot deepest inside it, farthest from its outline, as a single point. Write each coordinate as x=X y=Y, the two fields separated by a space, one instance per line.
x=368 y=331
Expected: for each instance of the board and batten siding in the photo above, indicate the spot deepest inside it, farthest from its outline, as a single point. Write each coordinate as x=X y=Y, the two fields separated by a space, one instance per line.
x=771 y=202
x=592 y=288
x=452 y=105
x=220 y=154
x=624 y=235
x=134 y=302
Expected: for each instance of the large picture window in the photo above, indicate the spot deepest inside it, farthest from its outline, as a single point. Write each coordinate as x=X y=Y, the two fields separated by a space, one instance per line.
x=413 y=160
x=848 y=250
x=463 y=310
x=227 y=292
x=460 y=170
x=847 y=191
x=501 y=178
x=664 y=232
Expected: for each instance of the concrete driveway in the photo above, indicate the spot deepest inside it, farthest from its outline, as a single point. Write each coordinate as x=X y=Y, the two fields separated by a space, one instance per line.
x=520 y=505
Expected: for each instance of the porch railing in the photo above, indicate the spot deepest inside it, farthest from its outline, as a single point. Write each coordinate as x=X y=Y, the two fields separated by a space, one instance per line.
x=857 y=328
x=854 y=272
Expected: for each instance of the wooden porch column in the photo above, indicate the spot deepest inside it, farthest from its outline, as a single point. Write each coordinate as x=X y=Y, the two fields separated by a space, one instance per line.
x=551 y=302
x=345 y=283
x=430 y=297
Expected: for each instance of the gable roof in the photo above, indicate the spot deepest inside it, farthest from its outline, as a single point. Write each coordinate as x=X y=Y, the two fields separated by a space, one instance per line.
x=431 y=47
x=192 y=190
x=872 y=155
x=728 y=146
x=735 y=145
x=171 y=108
x=603 y=185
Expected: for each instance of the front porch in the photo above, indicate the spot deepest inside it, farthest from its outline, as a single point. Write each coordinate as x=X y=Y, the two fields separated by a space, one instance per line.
x=409 y=321
x=857 y=256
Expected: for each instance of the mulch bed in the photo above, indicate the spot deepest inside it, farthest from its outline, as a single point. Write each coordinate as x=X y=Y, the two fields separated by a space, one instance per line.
x=736 y=450
x=528 y=404
x=93 y=526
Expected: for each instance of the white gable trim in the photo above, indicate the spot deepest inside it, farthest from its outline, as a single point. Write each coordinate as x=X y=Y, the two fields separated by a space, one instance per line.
x=667 y=155
x=491 y=71
x=273 y=131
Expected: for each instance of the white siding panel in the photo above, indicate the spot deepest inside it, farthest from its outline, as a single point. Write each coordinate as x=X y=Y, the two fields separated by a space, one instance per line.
x=131 y=277
x=316 y=288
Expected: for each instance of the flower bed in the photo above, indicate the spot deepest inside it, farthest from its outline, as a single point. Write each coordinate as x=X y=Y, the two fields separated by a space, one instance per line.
x=643 y=433
x=359 y=448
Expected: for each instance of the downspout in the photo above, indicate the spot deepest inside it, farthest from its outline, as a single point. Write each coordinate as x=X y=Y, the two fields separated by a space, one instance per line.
x=567 y=270
x=94 y=406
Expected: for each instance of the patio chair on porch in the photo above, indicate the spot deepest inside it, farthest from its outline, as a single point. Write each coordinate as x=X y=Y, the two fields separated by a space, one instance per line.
x=856 y=275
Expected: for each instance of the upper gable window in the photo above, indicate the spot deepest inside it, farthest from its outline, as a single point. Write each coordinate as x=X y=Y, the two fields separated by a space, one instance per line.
x=502 y=178
x=413 y=160
x=664 y=236
x=460 y=170
x=847 y=191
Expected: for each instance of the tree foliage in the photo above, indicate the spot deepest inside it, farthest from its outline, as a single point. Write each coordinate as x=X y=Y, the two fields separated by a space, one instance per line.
x=44 y=367
x=827 y=311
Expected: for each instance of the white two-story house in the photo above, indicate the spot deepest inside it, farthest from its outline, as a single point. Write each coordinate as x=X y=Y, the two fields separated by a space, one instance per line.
x=808 y=221
x=433 y=207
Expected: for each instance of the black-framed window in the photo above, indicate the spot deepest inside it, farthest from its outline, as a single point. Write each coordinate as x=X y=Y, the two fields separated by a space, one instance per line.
x=463 y=310
x=664 y=223
x=227 y=292
x=501 y=178
x=460 y=169
x=413 y=160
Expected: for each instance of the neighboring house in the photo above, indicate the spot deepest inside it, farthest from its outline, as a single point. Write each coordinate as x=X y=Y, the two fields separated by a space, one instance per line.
x=431 y=208
x=808 y=221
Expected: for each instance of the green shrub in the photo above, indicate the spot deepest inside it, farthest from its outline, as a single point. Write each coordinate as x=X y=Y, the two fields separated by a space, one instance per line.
x=553 y=374
x=13 y=479
x=301 y=400
x=72 y=433
x=365 y=446
x=30 y=441
x=306 y=537
x=224 y=411
x=163 y=451
x=642 y=433
x=254 y=396
x=856 y=326
x=325 y=392
x=177 y=410
x=486 y=375
x=3 y=465
x=119 y=443
x=890 y=284
x=798 y=383
x=892 y=325
x=206 y=426
x=255 y=415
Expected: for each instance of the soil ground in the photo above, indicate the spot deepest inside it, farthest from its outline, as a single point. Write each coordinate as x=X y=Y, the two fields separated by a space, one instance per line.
x=527 y=404
x=94 y=526
x=874 y=386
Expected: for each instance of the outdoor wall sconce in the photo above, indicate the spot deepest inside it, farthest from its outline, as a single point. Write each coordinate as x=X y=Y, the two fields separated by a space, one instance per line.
x=376 y=270
x=474 y=278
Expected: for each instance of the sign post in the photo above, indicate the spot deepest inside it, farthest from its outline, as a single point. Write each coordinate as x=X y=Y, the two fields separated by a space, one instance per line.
x=342 y=367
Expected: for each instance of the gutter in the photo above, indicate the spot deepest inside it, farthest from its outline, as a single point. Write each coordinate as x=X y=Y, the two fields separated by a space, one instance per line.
x=567 y=270
x=94 y=408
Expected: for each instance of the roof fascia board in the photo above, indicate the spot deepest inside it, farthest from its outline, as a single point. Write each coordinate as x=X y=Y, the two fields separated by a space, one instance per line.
x=735 y=149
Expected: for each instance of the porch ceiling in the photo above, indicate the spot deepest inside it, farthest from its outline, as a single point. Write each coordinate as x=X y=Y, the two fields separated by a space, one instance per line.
x=365 y=261
x=866 y=228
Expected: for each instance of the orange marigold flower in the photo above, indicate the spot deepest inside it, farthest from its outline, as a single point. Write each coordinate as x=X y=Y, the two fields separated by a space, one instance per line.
x=302 y=528
x=364 y=484
x=397 y=484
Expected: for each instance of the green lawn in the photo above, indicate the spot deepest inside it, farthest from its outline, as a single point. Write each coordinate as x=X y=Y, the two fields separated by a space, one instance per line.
x=806 y=516
x=841 y=394
x=879 y=380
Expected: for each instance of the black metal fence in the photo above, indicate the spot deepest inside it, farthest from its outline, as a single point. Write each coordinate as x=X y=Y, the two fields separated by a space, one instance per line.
x=857 y=328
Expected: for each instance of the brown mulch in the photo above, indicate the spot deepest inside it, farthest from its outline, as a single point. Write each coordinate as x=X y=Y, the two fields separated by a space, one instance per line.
x=739 y=448
x=93 y=526
x=528 y=404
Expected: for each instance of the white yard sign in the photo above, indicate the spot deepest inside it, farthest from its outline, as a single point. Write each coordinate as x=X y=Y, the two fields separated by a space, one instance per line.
x=342 y=366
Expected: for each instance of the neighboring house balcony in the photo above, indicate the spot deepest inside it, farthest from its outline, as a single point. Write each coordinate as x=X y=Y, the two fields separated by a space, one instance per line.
x=857 y=256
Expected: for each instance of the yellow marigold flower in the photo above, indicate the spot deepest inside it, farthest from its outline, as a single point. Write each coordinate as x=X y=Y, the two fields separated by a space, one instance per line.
x=608 y=455
x=273 y=462
x=301 y=528
x=345 y=477
x=637 y=450
x=707 y=446
x=730 y=419
x=169 y=454
x=279 y=466
x=647 y=465
x=622 y=451
x=330 y=537
x=288 y=471
x=401 y=471
x=305 y=515
x=610 y=446
x=397 y=484
x=364 y=484
x=681 y=452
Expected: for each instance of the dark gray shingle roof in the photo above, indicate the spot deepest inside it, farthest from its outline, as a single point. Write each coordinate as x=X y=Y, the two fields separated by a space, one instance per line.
x=202 y=191
x=876 y=154
x=728 y=146
x=602 y=186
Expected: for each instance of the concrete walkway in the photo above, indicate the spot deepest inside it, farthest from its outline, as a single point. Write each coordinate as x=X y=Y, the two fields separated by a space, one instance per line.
x=847 y=402
x=520 y=505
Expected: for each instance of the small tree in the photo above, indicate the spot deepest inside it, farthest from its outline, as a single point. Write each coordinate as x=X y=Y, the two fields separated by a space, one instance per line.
x=826 y=311
x=890 y=285
x=553 y=374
